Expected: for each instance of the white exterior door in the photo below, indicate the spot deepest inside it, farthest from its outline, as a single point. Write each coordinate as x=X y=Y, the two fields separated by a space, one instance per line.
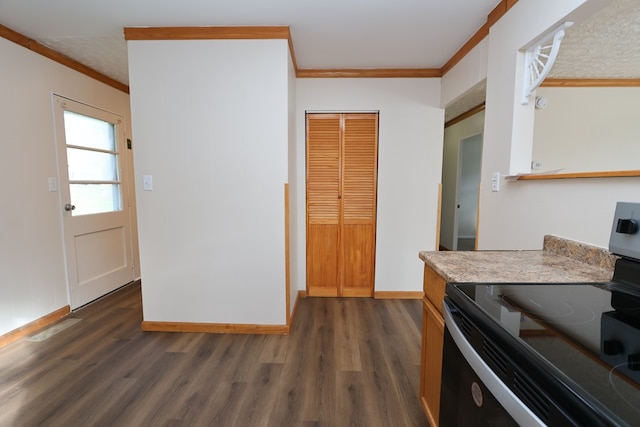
x=93 y=193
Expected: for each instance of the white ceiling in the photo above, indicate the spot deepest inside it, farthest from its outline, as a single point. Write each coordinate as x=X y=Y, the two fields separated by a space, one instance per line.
x=327 y=33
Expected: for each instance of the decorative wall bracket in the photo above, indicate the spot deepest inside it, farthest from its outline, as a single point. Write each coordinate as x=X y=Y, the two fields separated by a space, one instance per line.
x=539 y=58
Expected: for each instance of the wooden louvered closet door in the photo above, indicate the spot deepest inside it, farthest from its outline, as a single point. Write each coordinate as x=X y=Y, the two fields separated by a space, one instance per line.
x=342 y=159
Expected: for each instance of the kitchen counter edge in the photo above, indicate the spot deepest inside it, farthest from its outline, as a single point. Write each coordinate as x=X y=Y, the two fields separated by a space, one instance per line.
x=560 y=261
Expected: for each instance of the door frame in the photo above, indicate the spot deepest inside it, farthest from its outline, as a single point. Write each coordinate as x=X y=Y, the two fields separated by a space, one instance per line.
x=125 y=179
x=459 y=175
x=340 y=248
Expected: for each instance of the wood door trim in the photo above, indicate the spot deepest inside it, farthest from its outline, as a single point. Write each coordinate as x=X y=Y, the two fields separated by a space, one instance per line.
x=439 y=215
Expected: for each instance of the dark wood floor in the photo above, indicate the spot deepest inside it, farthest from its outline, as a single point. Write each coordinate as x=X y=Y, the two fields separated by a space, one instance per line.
x=347 y=362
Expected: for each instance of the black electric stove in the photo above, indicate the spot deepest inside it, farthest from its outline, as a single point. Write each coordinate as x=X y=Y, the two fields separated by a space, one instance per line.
x=578 y=343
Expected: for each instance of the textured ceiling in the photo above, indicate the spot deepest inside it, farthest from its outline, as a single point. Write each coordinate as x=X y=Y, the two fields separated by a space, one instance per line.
x=107 y=54
x=604 y=46
x=471 y=99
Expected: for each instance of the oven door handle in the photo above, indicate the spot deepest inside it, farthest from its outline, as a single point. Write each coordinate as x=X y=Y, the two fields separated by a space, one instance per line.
x=508 y=400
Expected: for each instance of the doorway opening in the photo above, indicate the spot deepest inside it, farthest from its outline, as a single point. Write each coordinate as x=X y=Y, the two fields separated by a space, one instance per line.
x=466 y=224
x=461 y=164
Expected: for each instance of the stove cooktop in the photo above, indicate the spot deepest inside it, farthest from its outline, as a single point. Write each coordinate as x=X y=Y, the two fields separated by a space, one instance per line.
x=587 y=334
x=590 y=333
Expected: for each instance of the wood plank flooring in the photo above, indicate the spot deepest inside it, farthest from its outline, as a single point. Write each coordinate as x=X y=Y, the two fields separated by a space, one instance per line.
x=347 y=362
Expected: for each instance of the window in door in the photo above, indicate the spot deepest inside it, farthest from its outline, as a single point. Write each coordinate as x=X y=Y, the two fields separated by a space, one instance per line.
x=92 y=164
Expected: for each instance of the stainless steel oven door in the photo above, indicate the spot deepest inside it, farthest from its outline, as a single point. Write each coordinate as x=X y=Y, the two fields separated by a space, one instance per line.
x=471 y=393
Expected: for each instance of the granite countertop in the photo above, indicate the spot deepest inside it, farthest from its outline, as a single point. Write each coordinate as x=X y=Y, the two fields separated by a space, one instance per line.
x=559 y=261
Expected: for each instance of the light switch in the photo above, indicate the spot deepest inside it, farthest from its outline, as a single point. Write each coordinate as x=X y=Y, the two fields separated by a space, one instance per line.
x=147 y=182
x=495 y=181
x=53 y=184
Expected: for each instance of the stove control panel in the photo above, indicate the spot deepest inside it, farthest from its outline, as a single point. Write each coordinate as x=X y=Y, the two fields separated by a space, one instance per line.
x=612 y=347
x=627 y=226
x=625 y=238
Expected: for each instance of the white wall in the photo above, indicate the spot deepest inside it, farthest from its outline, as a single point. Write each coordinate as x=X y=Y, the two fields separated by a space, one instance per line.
x=32 y=267
x=409 y=167
x=520 y=214
x=588 y=129
x=211 y=126
x=511 y=128
x=452 y=135
x=467 y=73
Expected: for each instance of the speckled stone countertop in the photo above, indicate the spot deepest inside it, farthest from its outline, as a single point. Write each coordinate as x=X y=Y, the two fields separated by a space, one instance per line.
x=559 y=261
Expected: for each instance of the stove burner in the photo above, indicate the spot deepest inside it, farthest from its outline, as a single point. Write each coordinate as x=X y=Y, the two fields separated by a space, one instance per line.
x=549 y=308
x=627 y=392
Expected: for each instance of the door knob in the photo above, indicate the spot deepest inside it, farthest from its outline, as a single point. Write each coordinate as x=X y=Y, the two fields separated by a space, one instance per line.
x=69 y=207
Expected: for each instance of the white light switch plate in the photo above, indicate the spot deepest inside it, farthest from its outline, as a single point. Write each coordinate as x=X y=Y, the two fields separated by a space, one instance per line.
x=495 y=181
x=53 y=184
x=147 y=182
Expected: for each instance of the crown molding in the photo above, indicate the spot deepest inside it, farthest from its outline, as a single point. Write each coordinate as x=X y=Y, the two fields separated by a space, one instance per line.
x=214 y=33
x=206 y=33
x=261 y=33
x=276 y=32
x=283 y=32
x=368 y=72
x=493 y=17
